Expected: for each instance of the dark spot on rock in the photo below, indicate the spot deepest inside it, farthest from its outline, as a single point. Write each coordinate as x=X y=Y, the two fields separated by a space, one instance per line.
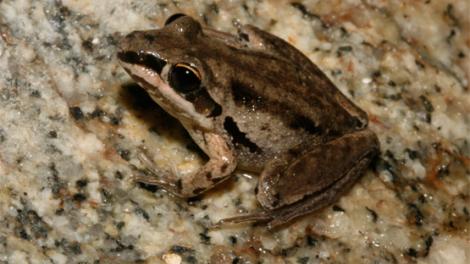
x=205 y=238
x=121 y=246
x=120 y=225
x=3 y=137
x=56 y=184
x=428 y=243
x=52 y=134
x=75 y=248
x=413 y=154
x=428 y=107
x=142 y=212
x=416 y=214
x=81 y=183
x=303 y=260
x=233 y=240
x=114 y=120
x=76 y=112
x=36 y=94
x=87 y=45
x=180 y=249
x=209 y=175
x=31 y=225
x=97 y=113
x=311 y=241
x=373 y=214
x=23 y=234
x=106 y=195
x=338 y=208
x=307 y=14
x=59 y=211
x=118 y=175
x=79 y=197
x=125 y=154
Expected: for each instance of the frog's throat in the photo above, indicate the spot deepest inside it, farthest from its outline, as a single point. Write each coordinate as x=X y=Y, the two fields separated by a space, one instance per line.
x=166 y=97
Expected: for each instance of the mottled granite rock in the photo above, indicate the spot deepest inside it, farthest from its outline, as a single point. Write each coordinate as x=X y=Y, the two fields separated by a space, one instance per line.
x=72 y=122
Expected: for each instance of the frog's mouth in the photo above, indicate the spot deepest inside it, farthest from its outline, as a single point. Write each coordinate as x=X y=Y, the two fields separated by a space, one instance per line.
x=147 y=71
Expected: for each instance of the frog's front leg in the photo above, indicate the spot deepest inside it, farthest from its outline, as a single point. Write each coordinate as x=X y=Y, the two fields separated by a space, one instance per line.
x=301 y=182
x=221 y=164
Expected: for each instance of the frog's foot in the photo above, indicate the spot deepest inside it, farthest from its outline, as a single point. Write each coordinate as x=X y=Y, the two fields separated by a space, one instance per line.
x=152 y=175
x=254 y=217
x=221 y=164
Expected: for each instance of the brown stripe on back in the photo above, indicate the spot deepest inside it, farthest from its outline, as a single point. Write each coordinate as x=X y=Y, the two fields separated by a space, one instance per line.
x=244 y=95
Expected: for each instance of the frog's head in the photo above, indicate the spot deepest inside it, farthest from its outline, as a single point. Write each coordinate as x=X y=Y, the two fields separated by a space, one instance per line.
x=163 y=62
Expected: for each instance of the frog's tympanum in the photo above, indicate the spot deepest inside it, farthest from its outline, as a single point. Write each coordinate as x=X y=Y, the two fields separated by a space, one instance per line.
x=252 y=102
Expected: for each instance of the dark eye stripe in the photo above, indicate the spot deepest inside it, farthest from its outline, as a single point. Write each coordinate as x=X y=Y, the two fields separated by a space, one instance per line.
x=129 y=57
x=147 y=60
x=153 y=63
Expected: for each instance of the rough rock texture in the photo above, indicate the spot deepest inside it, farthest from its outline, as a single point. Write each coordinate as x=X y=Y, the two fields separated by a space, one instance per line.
x=72 y=121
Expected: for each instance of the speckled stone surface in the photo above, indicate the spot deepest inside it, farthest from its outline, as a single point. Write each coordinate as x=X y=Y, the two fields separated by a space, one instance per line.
x=71 y=122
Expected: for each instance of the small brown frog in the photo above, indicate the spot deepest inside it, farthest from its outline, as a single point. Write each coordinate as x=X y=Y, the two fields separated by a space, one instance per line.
x=252 y=101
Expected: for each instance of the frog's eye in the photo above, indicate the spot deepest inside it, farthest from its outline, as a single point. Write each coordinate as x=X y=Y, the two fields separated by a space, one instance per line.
x=184 y=78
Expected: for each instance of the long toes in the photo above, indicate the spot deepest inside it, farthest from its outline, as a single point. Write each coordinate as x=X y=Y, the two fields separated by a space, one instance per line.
x=255 y=217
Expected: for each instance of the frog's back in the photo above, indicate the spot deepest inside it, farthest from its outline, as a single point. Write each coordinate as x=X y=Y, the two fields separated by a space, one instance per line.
x=277 y=99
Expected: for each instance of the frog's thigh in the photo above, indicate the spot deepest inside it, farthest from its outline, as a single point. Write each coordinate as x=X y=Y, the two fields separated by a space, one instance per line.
x=316 y=202
x=318 y=177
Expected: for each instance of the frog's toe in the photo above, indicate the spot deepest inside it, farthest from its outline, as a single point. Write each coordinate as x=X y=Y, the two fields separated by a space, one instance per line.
x=254 y=217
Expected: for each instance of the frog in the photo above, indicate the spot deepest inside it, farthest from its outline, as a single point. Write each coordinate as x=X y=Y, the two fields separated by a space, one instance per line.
x=251 y=102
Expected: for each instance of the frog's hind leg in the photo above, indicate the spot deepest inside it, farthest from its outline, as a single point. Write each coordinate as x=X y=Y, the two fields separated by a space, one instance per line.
x=285 y=214
x=316 y=178
x=316 y=202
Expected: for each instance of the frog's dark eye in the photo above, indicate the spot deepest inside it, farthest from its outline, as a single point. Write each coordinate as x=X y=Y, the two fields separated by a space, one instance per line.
x=173 y=18
x=184 y=78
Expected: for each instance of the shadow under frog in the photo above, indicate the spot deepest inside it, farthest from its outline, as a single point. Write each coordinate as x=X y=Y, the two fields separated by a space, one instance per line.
x=253 y=102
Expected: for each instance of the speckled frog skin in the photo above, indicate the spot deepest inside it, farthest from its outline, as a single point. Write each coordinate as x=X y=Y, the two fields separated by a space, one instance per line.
x=253 y=102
